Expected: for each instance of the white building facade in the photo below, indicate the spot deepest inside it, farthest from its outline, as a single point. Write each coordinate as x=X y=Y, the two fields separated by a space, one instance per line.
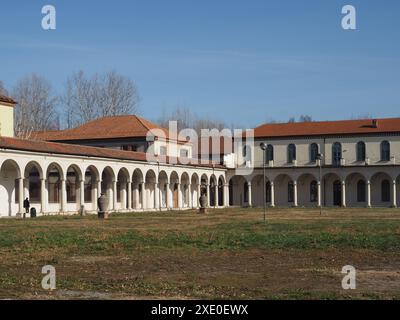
x=342 y=163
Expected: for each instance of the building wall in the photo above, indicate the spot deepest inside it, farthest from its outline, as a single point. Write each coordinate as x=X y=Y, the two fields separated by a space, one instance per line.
x=17 y=164
x=6 y=120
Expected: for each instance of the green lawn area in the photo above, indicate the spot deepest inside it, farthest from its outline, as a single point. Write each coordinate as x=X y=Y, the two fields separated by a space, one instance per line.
x=226 y=254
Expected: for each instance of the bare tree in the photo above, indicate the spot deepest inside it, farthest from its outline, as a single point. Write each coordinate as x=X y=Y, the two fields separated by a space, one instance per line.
x=86 y=99
x=188 y=119
x=36 y=108
x=305 y=118
x=3 y=90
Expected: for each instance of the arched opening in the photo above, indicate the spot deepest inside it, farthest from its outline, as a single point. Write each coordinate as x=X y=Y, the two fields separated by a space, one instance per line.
x=91 y=193
x=356 y=190
x=213 y=188
x=236 y=189
x=307 y=187
x=381 y=190
x=185 y=190
x=137 y=189
x=291 y=153
x=313 y=152
x=150 y=187
x=361 y=151
x=54 y=176
x=163 y=188
x=72 y=184
x=257 y=191
x=122 y=188
x=107 y=186
x=331 y=190
x=336 y=154
x=284 y=190
x=10 y=174
x=174 y=188
x=195 y=190
x=385 y=151
x=33 y=182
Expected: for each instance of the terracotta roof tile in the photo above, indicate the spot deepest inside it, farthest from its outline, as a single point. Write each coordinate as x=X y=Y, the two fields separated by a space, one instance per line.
x=7 y=100
x=126 y=126
x=323 y=128
x=78 y=150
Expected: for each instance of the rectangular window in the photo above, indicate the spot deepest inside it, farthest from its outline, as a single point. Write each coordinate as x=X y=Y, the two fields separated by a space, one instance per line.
x=184 y=153
x=163 y=151
x=290 y=192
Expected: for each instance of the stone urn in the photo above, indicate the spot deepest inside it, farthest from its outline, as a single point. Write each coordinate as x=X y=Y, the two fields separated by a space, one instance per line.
x=203 y=203
x=102 y=203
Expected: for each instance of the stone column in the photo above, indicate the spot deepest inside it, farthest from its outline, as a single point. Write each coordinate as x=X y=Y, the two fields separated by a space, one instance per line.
x=319 y=194
x=216 y=196
x=21 y=195
x=198 y=195
x=272 y=194
x=250 y=194
x=190 y=186
x=156 y=196
x=208 y=195
x=369 y=194
x=43 y=195
x=82 y=192
x=170 y=196
x=295 y=202
x=143 y=197
x=129 y=186
x=98 y=193
x=180 y=202
x=394 y=200
x=344 y=194
x=226 y=195
x=114 y=199
x=63 y=196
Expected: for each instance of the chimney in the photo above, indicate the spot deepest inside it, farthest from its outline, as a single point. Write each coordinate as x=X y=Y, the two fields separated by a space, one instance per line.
x=374 y=123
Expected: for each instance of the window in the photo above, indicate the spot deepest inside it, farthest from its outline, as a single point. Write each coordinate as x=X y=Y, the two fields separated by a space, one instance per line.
x=270 y=153
x=336 y=153
x=313 y=152
x=361 y=191
x=290 y=192
x=361 y=151
x=385 y=191
x=385 y=151
x=314 y=191
x=246 y=152
x=291 y=153
x=268 y=192
x=163 y=151
x=184 y=153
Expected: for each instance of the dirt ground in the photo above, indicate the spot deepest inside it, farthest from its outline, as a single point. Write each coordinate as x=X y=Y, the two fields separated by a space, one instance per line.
x=227 y=254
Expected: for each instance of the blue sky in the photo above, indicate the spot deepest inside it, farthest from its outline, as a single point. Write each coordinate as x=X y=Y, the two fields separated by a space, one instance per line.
x=243 y=62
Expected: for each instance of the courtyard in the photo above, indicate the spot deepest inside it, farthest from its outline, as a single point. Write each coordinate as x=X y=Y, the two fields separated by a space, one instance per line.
x=226 y=254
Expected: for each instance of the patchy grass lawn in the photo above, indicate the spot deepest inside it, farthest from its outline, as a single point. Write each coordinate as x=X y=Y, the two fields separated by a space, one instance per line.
x=226 y=254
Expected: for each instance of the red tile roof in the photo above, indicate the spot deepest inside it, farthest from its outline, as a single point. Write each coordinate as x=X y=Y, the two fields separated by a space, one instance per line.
x=78 y=150
x=113 y=127
x=324 y=128
x=7 y=100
